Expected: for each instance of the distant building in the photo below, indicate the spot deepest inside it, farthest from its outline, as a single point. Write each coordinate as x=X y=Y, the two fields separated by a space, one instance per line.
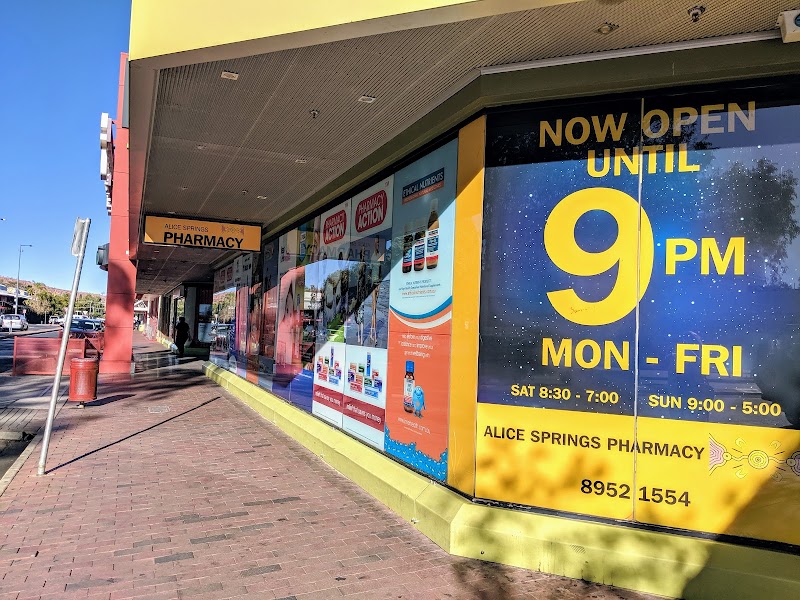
x=7 y=297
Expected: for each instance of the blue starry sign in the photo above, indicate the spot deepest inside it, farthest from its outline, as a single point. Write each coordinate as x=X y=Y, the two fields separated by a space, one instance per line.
x=640 y=310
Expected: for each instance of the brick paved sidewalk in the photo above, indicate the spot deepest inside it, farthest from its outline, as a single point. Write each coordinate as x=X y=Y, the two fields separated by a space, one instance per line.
x=167 y=487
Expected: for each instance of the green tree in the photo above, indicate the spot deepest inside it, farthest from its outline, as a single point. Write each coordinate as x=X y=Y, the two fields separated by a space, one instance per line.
x=758 y=203
x=39 y=302
x=224 y=308
x=43 y=302
x=90 y=304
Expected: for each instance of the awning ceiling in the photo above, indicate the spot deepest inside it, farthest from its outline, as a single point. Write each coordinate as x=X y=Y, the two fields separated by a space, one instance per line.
x=252 y=149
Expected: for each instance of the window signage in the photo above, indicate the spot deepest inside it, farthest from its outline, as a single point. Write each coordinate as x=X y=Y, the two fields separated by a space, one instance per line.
x=640 y=313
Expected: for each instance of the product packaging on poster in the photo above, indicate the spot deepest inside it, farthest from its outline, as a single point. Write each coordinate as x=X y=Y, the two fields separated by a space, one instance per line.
x=365 y=394
x=326 y=290
x=421 y=285
x=329 y=382
x=367 y=324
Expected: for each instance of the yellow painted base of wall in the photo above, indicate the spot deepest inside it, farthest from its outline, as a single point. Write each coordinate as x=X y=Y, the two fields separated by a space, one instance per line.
x=658 y=563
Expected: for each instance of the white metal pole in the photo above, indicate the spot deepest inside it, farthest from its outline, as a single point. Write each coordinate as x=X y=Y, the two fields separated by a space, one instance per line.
x=16 y=289
x=19 y=265
x=62 y=353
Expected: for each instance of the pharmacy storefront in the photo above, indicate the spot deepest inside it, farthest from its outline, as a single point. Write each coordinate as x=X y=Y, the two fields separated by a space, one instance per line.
x=637 y=336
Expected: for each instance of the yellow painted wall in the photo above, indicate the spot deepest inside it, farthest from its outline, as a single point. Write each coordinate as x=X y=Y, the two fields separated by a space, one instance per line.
x=466 y=292
x=160 y=27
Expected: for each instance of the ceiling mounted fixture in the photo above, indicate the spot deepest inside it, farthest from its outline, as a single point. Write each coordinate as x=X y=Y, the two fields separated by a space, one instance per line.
x=367 y=99
x=789 y=23
x=200 y=147
x=230 y=75
x=301 y=161
x=244 y=192
x=696 y=12
x=314 y=113
x=606 y=28
x=184 y=188
x=261 y=197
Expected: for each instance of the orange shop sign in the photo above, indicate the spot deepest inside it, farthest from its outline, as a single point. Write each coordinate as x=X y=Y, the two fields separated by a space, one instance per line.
x=201 y=234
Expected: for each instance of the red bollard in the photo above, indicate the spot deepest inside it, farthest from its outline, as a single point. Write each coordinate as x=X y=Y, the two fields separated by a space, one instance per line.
x=83 y=379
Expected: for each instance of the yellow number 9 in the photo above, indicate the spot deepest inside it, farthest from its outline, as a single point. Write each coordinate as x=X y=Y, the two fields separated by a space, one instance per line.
x=626 y=251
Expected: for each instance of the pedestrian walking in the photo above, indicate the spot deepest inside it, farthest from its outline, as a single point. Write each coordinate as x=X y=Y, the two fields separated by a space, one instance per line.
x=181 y=334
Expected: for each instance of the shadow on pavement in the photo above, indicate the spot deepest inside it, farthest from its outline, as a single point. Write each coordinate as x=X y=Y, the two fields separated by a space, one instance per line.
x=158 y=360
x=127 y=437
x=108 y=400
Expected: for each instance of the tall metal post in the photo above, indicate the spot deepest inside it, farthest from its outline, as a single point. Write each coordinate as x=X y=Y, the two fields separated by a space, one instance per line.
x=82 y=230
x=19 y=265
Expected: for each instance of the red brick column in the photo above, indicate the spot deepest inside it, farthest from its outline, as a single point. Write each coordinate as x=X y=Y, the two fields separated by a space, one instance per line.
x=121 y=287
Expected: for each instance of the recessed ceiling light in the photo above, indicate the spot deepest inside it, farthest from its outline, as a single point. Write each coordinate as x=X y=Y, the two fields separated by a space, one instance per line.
x=606 y=28
x=301 y=161
x=261 y=197
x=200 y=146
x=244 y=192
x=184 y=188
x=367 y=99
x=230 y=75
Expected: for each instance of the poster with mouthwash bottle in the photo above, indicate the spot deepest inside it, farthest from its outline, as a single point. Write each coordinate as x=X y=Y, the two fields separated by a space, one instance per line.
x=421 y=294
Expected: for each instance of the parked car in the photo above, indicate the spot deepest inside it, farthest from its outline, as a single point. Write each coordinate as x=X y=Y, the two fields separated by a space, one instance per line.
x=54 y=320
x=85 y=326
x=13 y=322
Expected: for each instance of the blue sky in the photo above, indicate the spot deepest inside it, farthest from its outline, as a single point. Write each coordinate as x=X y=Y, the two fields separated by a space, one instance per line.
x=59 y=69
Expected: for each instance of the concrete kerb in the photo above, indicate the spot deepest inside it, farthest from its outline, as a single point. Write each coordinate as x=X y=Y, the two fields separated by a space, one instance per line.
x=4 y=333
x=649 y=561
x=6 y=480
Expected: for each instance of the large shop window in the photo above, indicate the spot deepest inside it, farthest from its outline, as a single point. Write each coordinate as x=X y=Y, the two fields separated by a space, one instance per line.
x=347 y=315
x=640 y=311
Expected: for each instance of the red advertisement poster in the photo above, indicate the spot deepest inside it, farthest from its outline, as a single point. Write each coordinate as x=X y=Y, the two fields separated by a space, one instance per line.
x=326 y=288
x=367 y=326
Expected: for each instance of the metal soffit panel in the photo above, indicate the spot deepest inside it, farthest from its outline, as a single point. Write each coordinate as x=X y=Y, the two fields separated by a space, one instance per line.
x=223 y=149
x=161 y=268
